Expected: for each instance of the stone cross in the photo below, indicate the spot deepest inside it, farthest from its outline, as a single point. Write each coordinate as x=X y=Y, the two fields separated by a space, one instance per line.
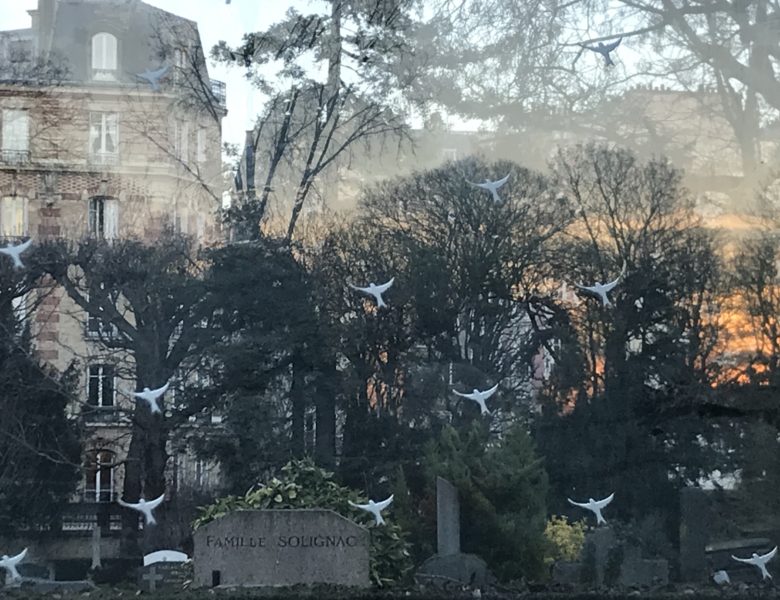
x=447 y=518
x=152 y=577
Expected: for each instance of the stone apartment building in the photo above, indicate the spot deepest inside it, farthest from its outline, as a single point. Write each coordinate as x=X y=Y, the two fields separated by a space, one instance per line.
x=87 y=148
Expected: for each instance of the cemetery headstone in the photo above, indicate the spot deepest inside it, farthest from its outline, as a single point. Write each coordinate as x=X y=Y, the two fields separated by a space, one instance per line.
x=271 y=548
x=162 y=575
x=158 y=556
x=449 y=565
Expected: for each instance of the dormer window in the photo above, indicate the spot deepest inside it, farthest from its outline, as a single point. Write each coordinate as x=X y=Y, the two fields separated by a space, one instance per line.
x=104 y=57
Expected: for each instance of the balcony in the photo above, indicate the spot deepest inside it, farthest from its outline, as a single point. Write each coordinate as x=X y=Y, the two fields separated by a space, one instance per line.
x=15 y=157
x=219 y=91
x=101 y=415
x=105 y=159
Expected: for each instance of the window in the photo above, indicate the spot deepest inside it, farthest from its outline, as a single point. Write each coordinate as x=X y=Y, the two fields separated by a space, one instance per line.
x=201 y=145
x=100 y=476
x=181 y=222
x=100 y=387
x=449 y=154
x=200 y=232
x=182 y=140
x=104 y=57
x=13 y=216
x=103 y=138
x=103 y=218
x=16 y=138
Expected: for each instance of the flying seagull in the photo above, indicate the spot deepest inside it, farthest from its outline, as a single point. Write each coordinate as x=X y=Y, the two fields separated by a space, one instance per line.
x=602 y=289
x=153 y=77
x=144 y=507
x=604 y=50
x=151 y=396
x=759 y=561
x=9 y=564
x=491 y=186
x=479 y=397
x=721 y=577
x=375 y=290
x=595 y=506
x=15 y=251
x=375 y=508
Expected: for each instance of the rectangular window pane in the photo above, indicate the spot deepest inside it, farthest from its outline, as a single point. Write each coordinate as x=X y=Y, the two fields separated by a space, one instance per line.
x=93 y=385
x=13 y=216
x=107 y=395
x=110 y=218
x=15 y=130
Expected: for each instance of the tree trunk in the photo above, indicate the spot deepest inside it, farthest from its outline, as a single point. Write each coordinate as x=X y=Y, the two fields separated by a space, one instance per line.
x=298 y=399
x=325 y=441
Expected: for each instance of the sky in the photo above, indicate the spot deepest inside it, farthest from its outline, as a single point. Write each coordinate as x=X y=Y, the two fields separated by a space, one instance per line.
x=216 y=21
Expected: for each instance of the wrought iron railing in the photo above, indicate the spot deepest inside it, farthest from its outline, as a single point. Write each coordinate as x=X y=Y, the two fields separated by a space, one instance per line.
x=15 y=157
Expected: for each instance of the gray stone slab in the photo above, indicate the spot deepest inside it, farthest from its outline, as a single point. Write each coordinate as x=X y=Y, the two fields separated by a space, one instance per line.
x=447 y=518
x=271 y=548
x=465 y=569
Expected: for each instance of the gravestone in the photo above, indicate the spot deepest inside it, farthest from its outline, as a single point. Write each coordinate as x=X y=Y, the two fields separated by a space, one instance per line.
x=694 y=519
x=162 y=575
x=599 y=542
x=96 y=559
x=636 y=571
x=158 y=556
x=449 y=565
x=272 y=548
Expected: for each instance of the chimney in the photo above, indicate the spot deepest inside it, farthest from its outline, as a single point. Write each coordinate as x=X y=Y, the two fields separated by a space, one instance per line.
x=43 y=25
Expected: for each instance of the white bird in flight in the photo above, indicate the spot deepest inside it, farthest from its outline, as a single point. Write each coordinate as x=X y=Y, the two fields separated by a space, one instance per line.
x=15 y=251
x=144 y=507
x=721 y=577
x=151 y=396
x=375 y=290
x=491 y=186
x=375 y=508
x=602 y=289
x=595 y=506
x=479 y=397
x=759 y=561
x=9 y=564
x=153 y=77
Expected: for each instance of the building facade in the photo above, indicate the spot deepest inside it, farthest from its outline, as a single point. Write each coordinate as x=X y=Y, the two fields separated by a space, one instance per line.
x=90 y=149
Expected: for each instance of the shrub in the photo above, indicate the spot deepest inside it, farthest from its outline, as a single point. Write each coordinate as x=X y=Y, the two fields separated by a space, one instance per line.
x=564 y=540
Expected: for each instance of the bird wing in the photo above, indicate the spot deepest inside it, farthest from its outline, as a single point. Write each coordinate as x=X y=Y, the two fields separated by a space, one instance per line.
x=23 y=246
x=160 y=391
x=769 y=555
x=385 y=286
x=612 y=46
x=586 y=288
x=608 y=287
x=361 y=506
x=161 y=71
x=462 y=395
x=152 y=504
x=121 y=502
x=365 y=290
x=602 y=503
x=744 y=560
x=384 y=503
x=580 y=504
x=19 y=557
x=143 y=396
x=488 y=393
x=484 y=186
x=502 y=181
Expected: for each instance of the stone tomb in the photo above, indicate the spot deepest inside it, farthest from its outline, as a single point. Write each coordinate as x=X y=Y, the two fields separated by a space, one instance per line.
x=281 y=548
